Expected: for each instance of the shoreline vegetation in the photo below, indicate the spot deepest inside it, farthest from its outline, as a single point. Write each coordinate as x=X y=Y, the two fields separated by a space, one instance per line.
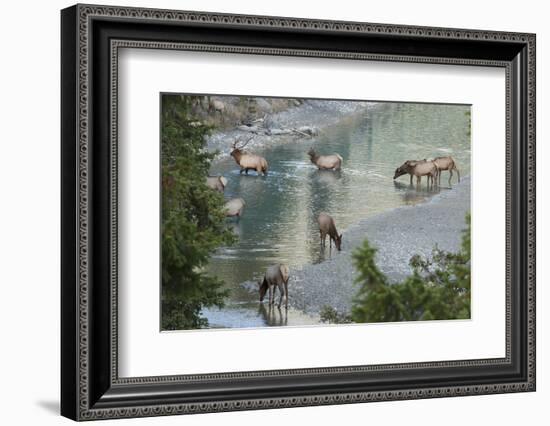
x=192 y=220
x=438 y=287
x=338 y=290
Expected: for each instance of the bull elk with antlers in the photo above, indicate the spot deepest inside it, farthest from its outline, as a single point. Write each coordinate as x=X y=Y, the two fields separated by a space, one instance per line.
x=246 y=160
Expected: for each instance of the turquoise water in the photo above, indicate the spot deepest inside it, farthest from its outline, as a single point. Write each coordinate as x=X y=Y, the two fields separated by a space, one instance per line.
x=279 y=221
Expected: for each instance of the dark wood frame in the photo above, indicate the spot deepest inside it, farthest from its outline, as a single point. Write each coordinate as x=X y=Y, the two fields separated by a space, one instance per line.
x=90 y=386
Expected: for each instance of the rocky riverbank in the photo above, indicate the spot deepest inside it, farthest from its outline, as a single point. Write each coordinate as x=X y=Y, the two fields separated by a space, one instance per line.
x=397 y=234
x=299 y=122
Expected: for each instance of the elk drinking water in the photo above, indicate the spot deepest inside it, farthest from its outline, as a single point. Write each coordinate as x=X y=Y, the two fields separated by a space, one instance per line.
x=418 y=168
x=248 y=161
x=217 y=183
x=275 y=276
x=327 y=226
x=446 y=163
x=325 y=162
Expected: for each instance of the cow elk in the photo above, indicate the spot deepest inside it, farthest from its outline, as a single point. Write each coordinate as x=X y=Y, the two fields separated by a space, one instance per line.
x=327 y=226
x=217 y=183
x=234 y=207
x=418 y=168
x=276 y=276
x=248 y=161
x=325 y=162
x=216 y=106
x=446 y=163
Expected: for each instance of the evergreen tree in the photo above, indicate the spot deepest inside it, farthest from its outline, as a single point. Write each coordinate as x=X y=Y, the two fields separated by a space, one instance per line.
x=193 y=221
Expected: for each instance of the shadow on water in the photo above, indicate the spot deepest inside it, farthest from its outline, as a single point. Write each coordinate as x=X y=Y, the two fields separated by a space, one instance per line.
x=279 y=222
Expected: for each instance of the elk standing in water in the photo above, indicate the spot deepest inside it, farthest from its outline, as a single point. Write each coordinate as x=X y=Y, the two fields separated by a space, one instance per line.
x=327 y=226
x=248 y=161
x=216 y=183
x=234 y=207
x=325 y=162
x=446 y=163
x=418 y=168
x=275 y=276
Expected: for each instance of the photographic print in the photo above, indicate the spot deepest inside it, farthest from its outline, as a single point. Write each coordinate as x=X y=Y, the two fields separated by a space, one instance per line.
x=312 y=212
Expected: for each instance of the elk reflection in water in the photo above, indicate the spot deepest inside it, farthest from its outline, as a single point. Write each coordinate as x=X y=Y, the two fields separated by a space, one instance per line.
x=411 y=194
x=273 y=315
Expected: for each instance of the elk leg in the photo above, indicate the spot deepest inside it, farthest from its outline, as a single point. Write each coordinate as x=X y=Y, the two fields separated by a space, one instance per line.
x=418 y=178
x=458 y=174
x=281 y=294
x=450 y=175
x=241 y=171
x=246 y=171
x=286 y=294
x=411 y=180
x=271 y=295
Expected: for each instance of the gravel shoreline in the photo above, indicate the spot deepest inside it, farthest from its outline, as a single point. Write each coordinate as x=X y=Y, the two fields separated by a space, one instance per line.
x=318 y=114
x=398 y=234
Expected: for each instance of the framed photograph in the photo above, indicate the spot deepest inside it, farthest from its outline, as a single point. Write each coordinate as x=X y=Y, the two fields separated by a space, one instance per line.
x=264 y=212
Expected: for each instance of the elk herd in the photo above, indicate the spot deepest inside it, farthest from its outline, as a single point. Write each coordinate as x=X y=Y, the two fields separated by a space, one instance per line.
x=277 y=276
x=430 y=168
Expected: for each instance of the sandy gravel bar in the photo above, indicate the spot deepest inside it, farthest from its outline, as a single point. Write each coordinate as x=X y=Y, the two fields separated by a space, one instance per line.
x=398 y=234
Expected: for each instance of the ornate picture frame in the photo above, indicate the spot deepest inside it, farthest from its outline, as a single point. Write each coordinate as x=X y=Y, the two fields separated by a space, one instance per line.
x=91 y=38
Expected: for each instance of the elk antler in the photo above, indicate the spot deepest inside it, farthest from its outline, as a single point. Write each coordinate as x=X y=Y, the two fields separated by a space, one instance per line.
x=242 y=144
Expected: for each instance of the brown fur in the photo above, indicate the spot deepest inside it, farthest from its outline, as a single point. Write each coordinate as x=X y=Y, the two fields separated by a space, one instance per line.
x=418 y=168
x=327 y=226
x=234 y=207
x=275 y=276
x=446 y=163
x=216 y=183
x=325 y=162
x=248 y=161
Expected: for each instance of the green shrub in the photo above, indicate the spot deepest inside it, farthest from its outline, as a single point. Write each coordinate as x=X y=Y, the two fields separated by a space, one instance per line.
x=330 y=315
x=437 y=289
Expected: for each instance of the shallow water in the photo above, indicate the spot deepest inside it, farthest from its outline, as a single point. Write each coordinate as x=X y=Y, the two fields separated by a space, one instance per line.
x=279 y=221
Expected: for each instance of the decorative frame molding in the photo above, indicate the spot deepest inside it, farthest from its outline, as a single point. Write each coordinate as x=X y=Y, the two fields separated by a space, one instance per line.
x=91 y=388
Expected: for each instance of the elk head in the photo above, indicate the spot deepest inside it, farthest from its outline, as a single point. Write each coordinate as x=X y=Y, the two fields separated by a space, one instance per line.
x=338 y=242
x=402 y=170
x=238 y=146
